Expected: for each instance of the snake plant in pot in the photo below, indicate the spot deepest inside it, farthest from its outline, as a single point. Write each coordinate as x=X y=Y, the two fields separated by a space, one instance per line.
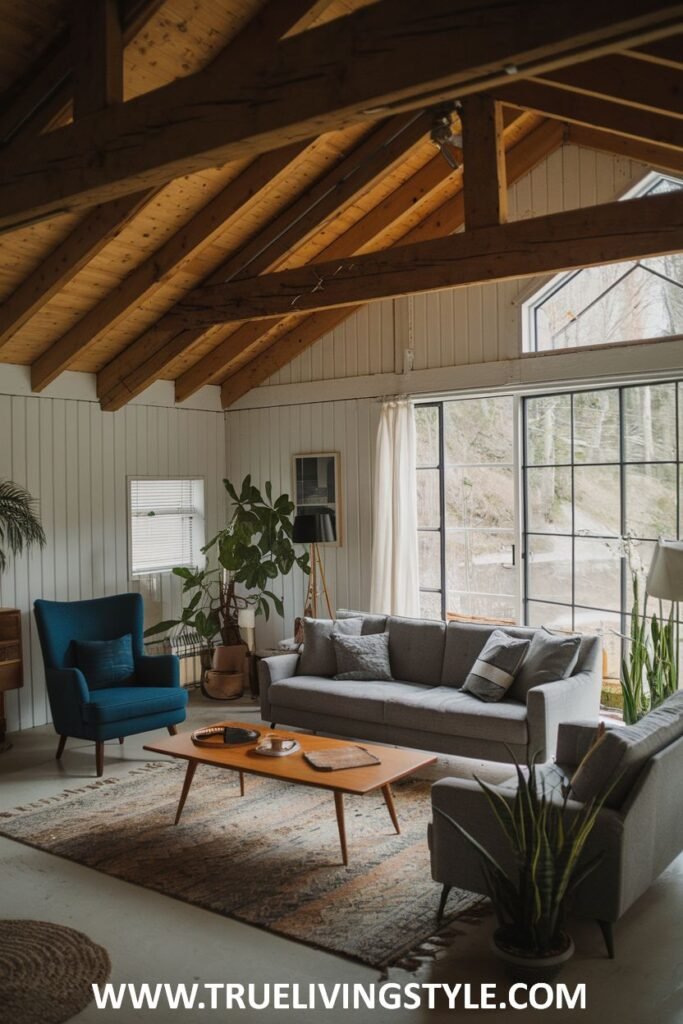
x=546 y=841
x=245 y=558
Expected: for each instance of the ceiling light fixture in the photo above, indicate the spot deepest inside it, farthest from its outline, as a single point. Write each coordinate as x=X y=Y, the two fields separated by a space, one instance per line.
x=443 y=137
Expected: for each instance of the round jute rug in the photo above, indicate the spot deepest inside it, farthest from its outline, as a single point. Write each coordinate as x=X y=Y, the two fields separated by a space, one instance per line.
x=46 y=972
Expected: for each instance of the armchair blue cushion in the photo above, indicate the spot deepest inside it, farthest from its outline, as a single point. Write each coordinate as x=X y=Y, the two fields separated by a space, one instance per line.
x=152 y=699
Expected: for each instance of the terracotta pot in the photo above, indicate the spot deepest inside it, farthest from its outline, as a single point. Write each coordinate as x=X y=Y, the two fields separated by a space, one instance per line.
x=531 y=968
x=223 y=685
x=230 y=657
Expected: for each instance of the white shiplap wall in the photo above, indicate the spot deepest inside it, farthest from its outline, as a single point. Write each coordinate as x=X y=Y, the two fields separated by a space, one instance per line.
x=465 y=326
x=263 y=441
x=75 y=459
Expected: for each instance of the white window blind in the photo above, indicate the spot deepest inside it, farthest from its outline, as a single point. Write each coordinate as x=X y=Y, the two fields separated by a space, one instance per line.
x=166 y=524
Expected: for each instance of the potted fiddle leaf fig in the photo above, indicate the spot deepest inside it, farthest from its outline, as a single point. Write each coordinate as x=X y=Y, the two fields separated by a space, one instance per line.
x=20 y=525
x=253 y=550
x=530 y=900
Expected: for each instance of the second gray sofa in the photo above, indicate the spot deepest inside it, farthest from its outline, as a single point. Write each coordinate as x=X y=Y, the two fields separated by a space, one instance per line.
x=424 y=706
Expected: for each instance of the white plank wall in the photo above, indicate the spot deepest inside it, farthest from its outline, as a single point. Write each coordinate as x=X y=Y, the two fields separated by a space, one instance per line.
x=263 y=441
x=464 y=326
x=75 y=459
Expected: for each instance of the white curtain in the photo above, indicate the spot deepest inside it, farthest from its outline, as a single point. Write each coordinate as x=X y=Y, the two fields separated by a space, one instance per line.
x=394 y=537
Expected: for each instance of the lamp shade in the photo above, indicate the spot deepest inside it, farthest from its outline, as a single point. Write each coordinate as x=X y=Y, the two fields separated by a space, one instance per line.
x=313 y=528
x=665 y=578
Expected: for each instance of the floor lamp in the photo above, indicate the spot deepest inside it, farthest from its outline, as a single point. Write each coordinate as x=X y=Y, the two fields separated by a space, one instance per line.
x=314 y=528
x=665 y=582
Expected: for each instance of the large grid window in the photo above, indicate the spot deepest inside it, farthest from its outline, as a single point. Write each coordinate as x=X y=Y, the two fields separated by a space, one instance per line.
x=616 y=302
x=601 y=468
x=466 y=508
x=166 y=524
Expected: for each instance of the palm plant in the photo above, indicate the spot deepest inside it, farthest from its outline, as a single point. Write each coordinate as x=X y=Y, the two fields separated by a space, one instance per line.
x=20 y=526
x=547 y=844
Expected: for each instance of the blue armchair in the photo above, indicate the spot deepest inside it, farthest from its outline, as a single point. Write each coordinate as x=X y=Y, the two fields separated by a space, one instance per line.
x=153 y=698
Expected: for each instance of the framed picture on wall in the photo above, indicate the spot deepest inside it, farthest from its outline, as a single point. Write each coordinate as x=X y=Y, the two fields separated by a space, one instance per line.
x=317 y=487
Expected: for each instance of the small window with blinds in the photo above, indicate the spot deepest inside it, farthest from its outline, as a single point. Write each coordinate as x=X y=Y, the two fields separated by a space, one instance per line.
x=166 y=524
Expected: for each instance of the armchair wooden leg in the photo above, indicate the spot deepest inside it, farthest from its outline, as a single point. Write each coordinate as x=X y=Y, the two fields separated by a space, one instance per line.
x=60 y=747
x=172 y=731
x=121 y=740
x=442 y=902
x=608 y=935
x=99 y=757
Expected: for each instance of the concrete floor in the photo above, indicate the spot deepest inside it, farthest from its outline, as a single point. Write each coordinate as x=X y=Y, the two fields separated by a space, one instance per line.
x=152 y=938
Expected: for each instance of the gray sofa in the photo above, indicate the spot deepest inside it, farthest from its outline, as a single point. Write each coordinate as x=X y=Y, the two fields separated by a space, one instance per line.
x=638 y=831
x=424 y=707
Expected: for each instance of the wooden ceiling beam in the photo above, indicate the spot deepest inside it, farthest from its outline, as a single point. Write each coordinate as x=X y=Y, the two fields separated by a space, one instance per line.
x=650 y=226
x=66 y=260
x=646 y=152
x=97 y=55
x=44 y=94
x=390 y=56
x=103 y=223
x=486 y=194
x=176 y=252
x=668 y=52
x=652 y=87
x=245 y=344
x=240 y=343
x=145 y=360
x=448 y=218
x=597 y=113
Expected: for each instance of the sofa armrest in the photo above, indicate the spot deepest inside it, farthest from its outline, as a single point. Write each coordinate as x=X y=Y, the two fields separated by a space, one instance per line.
x=271 y=670
x=68 y=692
x=158 y=670
x=563 y=701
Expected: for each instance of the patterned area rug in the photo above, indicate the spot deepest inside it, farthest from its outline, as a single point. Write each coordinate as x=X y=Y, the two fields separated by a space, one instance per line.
x=271 y=859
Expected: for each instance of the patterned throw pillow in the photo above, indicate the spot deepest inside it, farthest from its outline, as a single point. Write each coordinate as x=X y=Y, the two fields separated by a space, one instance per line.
x=493 y=672
x=106 y=663
x=363 y=657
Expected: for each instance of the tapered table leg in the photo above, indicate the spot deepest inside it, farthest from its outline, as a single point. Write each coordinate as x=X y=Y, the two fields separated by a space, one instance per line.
x=241 y=783
x=189 y=775
x=339 y=807
x=389 y=801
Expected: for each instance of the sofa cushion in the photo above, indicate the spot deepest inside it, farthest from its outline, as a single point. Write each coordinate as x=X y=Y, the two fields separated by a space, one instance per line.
x=416 y=649
x=106 y=663
x=362 y=657
x=493 y=672
x=465 y=642
x=619 y=756
x=371 y=623
x=550 y=657
x=318 y=657
x=363 y=701
x=445 y=710
x=122 y=702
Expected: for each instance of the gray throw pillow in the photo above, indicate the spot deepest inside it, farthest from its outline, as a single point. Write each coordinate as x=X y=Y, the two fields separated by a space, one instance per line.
x=318 y=657
x=493 y=672
x=363 y=657
x=551 y=656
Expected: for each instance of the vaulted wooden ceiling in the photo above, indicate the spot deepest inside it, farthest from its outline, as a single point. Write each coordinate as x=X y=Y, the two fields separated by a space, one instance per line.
x=146 y=225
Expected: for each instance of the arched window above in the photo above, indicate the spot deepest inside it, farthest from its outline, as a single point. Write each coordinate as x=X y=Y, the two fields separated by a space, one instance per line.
x=616 y=302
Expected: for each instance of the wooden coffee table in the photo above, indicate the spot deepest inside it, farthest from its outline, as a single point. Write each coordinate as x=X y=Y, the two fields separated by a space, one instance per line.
x=396 y=763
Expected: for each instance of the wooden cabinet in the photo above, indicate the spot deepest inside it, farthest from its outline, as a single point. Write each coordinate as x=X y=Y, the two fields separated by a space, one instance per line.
x=11 y=662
